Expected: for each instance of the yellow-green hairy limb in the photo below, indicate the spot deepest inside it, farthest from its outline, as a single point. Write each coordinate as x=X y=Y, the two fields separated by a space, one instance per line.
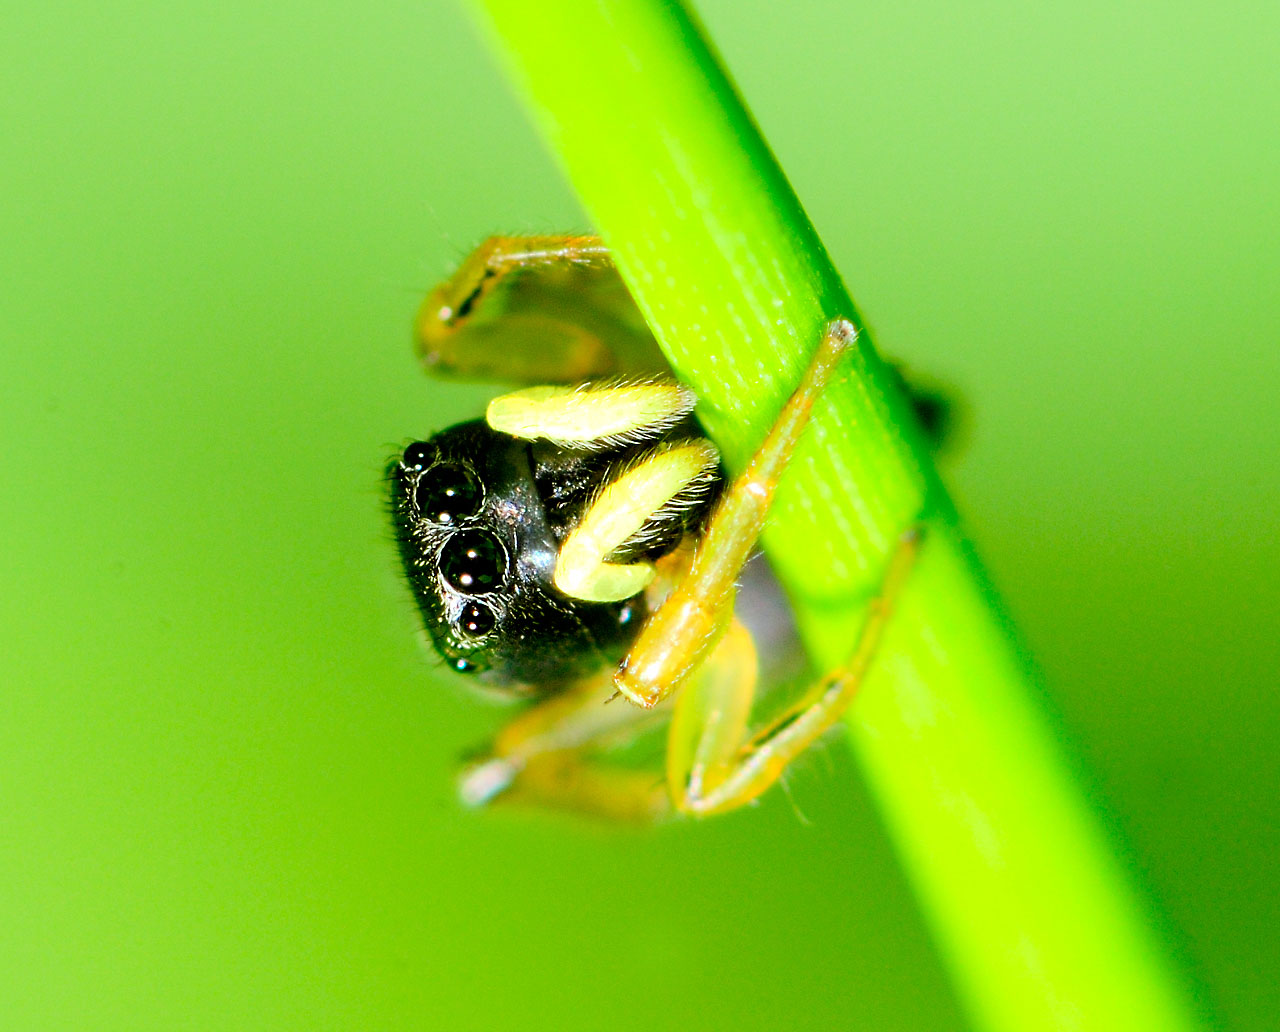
x=622 y=509
x=1034 y=915
x=590 y=415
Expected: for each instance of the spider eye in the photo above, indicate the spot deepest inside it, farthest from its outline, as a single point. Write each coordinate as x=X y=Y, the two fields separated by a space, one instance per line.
x=473 y=562
x=418 y=455
x=476 y=619
x=447 y=493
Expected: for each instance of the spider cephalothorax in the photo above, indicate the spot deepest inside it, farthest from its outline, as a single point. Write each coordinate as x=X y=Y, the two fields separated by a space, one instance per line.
x=481 y=516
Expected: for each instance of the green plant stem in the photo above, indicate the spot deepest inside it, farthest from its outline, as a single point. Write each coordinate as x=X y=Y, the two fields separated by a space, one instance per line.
x=1033 y=913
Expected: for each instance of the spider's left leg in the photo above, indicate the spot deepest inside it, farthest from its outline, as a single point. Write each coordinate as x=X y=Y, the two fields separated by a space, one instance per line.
x=549 y=757
x=554 y=755
x=713 y=765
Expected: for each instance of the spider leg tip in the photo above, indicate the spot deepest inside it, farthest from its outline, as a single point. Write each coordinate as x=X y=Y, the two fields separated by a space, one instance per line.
x=844 y=331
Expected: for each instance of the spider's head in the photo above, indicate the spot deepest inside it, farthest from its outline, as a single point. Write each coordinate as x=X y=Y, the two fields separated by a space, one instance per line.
x=480 y=557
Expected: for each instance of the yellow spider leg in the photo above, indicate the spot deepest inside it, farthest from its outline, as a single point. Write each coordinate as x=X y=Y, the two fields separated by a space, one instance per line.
x=618 y=513
x=677 y=638
x=591 y=415
x=729 y=783
x=710 y=720
x=542 y=757
x=449 y=305
x=537 y=309
x=573 y=782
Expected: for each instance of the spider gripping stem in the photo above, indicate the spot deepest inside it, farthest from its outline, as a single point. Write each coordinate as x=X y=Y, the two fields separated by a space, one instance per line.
x=713 y=764
x=683 y=632
x=692 y=645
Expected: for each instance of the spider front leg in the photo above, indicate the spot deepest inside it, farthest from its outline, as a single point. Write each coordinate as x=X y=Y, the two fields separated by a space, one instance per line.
x=535 y=309
x=678 y=638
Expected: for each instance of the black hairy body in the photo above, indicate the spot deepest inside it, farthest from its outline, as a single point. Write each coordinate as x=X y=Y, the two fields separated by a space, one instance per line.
x=480 y=517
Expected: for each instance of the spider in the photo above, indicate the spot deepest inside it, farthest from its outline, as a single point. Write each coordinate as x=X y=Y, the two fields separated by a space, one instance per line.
x=582 y=542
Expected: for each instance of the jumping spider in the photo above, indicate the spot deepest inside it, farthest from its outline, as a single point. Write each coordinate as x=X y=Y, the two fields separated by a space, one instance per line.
x=583 y=541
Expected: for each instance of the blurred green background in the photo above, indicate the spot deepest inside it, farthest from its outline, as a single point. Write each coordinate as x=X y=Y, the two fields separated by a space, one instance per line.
x=225 y=761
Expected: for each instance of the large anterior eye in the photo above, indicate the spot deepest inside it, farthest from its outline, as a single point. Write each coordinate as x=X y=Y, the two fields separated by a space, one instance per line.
x=473 y=562
x=447 y=493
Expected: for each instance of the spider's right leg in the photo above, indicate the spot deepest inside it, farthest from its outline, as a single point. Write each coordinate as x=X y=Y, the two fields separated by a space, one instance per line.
x=684 y=631
x=535 y=309
x=713 y=763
